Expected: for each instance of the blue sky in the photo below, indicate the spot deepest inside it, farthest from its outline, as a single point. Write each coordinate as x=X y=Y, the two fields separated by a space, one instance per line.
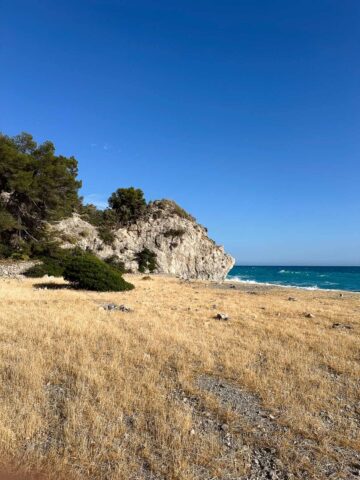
x=244 y=112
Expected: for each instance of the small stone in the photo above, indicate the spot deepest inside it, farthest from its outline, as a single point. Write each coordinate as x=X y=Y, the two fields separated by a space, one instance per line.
x=342 y=325
x=292 y=299
x=110 y=306
x=224 y=427
x=222 y=316
x=192 y=432
x=232 y=286
x=124 y=308
x=341 y=295
x=309 y=315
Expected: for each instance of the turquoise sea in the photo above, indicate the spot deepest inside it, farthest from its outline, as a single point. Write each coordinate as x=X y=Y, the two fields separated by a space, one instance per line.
x=328 y=278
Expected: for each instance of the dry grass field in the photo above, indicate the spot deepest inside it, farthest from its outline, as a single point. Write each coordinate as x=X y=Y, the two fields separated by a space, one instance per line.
x=168 y=392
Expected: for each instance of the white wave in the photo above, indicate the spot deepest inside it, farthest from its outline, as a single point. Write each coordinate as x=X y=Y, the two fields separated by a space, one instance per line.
x=267 y=284
x=291 y=272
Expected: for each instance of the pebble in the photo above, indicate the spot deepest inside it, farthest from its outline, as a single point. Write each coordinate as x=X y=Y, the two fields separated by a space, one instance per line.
x=222 y=316
x=309 y=315
x=342 y=325
x=114 y=306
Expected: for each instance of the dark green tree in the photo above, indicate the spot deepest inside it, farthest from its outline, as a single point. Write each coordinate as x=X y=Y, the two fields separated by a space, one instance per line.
x=90 y=273
x=35 y=186
x=146 y=260
x=128 y=203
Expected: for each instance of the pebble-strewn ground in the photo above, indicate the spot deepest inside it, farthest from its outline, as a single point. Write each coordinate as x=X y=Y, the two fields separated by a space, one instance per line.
x=148 y=384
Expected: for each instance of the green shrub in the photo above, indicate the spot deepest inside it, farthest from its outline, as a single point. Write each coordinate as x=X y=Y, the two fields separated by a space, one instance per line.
x=174 y=209
x=146 y=260
x=115 y=263
x=172 y=232
x=49 y=267
x=106 y=235
x=5 y=250
x=89 y=273
x=53 y=261
x=19 y=256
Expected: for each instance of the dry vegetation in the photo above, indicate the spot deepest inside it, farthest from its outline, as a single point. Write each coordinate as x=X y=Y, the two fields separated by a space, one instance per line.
x=168 y=392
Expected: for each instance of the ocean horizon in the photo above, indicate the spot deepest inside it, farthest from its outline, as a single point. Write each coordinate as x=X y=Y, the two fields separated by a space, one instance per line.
x=306 y=277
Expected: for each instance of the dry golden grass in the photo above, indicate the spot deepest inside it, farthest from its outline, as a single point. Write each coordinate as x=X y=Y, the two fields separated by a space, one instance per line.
x=87 y=393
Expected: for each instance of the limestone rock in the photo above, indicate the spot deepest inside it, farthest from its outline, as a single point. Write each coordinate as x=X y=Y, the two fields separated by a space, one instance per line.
x=15 y=268
x=182 y=246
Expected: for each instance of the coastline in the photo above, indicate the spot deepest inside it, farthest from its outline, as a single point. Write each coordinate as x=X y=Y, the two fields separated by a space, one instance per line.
x=253 y=283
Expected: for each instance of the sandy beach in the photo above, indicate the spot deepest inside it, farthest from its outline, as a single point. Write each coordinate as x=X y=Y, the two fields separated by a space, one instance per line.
x=167 y=391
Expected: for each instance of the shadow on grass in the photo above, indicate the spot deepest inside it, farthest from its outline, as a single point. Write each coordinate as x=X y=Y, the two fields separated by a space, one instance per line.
x=54 y=286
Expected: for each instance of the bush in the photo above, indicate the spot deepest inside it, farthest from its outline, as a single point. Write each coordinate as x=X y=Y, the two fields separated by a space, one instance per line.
x=90 y=273
x=49 y=267
x=146 y=260
x=106 y=235
x=116 y=264
x=19 y=256
x=174 y=209
x=178 y=232
x=5 y=250
x=54 y=261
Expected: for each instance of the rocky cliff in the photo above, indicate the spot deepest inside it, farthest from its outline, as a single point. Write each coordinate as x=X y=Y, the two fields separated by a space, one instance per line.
x=181 y=245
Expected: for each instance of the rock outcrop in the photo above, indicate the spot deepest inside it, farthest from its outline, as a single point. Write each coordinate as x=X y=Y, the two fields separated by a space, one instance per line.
x=181 y=245
x=13 y=269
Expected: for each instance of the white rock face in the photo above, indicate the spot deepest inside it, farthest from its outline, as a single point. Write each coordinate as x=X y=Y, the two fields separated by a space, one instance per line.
x=182 y=246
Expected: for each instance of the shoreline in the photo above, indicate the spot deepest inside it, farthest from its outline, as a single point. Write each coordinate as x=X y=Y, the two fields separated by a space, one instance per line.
x=276 y=285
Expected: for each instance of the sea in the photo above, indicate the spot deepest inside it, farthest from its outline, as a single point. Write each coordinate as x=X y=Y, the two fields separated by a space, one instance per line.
x=311 y=278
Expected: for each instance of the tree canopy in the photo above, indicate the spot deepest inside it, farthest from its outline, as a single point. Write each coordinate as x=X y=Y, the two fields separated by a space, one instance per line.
x=128 y=203
x=36 y=186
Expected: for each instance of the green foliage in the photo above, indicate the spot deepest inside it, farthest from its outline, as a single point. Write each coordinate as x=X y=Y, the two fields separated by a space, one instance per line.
x=174 y=233
x=7 y=221
x=174 y=209
x=116 y=264
x=53 y=260
x=5 y=250
x=106 y=234
x=89 y=273
x=35 y=186
x=91 y=214
x=49 y=267
x=129 y=204
x=146 y=260
x=104 y=220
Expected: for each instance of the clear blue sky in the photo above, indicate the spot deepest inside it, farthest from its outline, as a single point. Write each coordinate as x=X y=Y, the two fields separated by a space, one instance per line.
x=244 y=112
